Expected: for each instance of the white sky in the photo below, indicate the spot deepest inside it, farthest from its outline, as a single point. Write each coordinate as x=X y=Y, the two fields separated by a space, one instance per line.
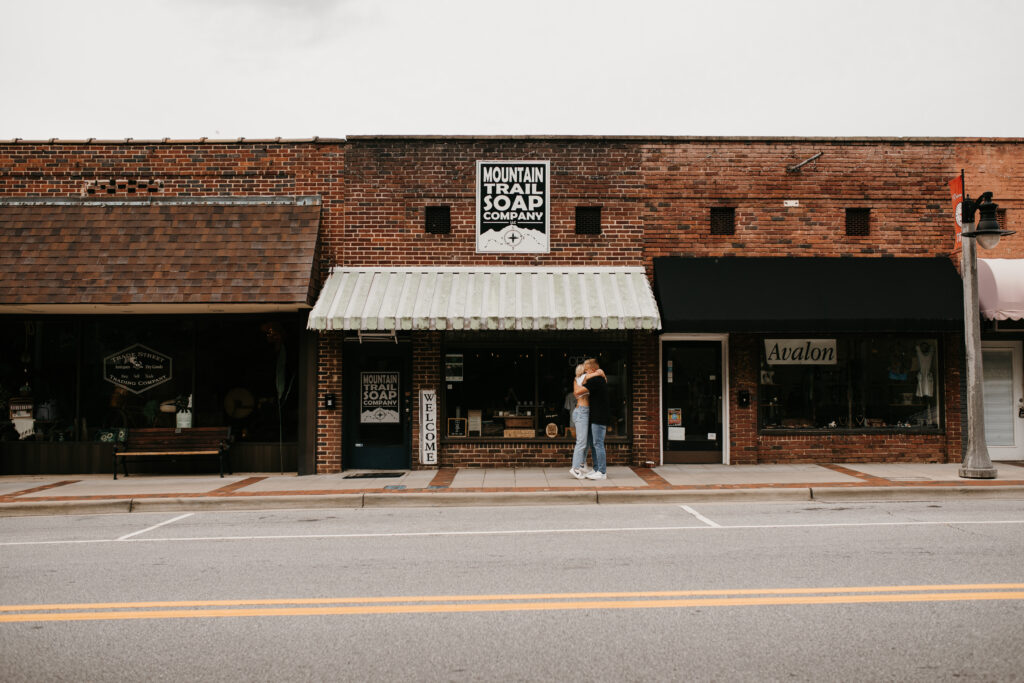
x=298 y=68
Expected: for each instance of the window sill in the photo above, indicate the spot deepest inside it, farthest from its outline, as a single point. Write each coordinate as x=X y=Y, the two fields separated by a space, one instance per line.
x=828 y=431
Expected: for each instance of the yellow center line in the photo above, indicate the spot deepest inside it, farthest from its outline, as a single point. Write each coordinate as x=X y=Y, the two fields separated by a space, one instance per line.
x=504 y=602
x=510 y=607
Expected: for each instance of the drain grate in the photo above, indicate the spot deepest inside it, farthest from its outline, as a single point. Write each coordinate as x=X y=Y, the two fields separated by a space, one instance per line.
x=373 y=475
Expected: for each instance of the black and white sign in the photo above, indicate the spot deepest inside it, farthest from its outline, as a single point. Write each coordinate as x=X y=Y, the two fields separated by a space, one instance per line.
x=137 y=368
x=512 y=207
x=379 y=397
x=800 y=351
x=428 y=427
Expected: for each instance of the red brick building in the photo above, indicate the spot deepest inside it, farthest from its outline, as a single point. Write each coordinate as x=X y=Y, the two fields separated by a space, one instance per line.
x=752 y=300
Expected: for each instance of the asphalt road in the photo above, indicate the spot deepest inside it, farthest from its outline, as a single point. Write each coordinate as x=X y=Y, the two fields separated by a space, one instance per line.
x=773 y=591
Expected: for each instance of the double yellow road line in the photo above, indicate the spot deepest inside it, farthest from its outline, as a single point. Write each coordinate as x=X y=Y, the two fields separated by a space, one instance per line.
x=437 y=604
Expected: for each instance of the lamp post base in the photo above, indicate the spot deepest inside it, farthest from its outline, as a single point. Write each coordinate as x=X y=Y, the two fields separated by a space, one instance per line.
x=978 y=472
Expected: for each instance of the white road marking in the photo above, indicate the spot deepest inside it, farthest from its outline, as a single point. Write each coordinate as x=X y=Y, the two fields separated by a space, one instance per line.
x=699 y=516
x=511 y=532
x=155 y=526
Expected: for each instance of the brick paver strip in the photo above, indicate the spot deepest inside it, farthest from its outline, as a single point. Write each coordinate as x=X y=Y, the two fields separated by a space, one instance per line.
x=231 y=488
x=876 y=481
x=444 y=478
x=651 y=478
x=25 y=492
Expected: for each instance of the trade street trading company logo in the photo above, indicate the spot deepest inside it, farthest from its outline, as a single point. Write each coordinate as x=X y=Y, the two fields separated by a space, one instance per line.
x=512 y=200
x=137 y=368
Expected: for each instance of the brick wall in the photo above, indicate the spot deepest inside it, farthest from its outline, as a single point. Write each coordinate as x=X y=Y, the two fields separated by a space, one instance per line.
x=655 y=196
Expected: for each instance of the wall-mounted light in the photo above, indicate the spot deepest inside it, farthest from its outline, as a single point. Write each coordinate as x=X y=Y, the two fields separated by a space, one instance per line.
x=330 y=401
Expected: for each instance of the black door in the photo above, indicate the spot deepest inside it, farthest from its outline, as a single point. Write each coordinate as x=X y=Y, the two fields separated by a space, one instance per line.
x=691 y=399
x=377 y=406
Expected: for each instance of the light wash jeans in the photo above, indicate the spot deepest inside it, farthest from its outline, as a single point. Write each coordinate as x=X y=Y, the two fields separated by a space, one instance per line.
x=581 y=422
x=597 y=433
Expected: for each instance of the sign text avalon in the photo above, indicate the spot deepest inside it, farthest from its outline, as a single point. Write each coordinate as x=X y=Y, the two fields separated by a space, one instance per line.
x=800 y=351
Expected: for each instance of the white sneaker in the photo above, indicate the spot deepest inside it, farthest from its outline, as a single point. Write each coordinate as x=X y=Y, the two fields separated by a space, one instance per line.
x=596 y=475
x=576 y=472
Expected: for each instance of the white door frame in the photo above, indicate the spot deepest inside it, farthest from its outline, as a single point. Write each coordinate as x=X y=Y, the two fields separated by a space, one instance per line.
x=1017 y=355
x=681 y=336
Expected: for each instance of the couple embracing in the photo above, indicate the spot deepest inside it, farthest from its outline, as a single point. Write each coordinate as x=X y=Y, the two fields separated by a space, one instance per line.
x=590 y=418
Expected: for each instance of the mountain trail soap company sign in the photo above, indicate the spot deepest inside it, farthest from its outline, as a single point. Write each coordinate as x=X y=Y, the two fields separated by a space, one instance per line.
x=379 y=401
x=512 y=207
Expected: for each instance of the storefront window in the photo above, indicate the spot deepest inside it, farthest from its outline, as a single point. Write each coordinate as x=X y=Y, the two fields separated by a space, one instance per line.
x=523 y=392
x=87 y=379
x=884 y=382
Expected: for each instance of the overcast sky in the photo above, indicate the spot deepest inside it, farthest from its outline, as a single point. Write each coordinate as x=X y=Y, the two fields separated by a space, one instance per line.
x=299 y=68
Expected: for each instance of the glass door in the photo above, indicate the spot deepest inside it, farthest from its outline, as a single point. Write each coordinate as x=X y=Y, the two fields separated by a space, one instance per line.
x=377 y=406
x=1004 y=400
x=691 y=400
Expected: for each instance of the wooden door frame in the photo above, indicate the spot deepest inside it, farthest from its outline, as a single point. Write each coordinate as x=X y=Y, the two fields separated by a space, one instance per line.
x=683 y=337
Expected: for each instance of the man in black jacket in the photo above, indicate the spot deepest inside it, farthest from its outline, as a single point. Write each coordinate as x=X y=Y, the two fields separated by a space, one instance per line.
x=600 y=415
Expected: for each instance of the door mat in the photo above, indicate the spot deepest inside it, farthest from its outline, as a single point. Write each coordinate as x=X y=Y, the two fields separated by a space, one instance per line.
x=373 y=475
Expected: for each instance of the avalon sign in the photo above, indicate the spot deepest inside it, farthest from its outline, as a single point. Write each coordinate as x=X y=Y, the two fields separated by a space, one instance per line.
x=428 y=427
x=800 y=351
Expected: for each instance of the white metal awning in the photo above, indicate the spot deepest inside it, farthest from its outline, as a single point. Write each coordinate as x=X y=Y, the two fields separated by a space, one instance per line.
x=386 y=299
x=1001 y=288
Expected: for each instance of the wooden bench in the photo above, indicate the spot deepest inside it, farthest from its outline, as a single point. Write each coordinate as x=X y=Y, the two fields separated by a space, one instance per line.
x=158 y=443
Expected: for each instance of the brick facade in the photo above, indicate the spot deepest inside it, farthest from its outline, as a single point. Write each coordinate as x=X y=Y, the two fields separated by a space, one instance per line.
x=655 y=194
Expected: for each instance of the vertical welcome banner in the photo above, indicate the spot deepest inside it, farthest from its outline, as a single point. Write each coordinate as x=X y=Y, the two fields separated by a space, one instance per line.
x=956 y=189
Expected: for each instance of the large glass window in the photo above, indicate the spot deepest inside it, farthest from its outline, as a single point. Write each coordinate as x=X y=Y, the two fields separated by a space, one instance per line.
x=880 y=382
x=86 y=379
x=524 y=391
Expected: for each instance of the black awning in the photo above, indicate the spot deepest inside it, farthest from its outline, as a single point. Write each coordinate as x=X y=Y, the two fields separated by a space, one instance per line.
x=807 y=294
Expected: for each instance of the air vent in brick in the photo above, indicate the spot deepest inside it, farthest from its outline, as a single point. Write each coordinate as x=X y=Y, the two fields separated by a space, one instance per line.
x=588 y=220
x=439 y=220
x=1001 y=219
x=858 y=222
x=121 y=186
x=723 y=220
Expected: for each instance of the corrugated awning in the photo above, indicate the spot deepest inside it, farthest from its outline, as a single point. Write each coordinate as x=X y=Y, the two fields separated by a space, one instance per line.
x=1001 y=288
x=385 y=299
x=808 y=294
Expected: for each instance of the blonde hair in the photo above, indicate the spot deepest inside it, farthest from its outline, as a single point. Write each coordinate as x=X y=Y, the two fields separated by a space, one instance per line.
x=580 y=369
x=592 y=362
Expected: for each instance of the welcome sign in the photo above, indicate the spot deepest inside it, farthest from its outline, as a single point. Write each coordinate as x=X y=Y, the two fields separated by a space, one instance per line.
x=512 y=207
x=800 y=351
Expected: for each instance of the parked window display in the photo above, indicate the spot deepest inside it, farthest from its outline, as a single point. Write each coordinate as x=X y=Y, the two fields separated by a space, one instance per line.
x=524 y=391
x=856 y=382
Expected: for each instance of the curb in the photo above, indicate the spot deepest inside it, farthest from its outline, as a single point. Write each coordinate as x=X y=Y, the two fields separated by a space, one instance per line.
x=828 y=494
x=766 y=495
x=474 y=499
x=71 y=507
x=214 y=503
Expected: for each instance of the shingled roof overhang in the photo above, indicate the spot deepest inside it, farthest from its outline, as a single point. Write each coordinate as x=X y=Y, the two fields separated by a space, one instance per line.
x=196 y=255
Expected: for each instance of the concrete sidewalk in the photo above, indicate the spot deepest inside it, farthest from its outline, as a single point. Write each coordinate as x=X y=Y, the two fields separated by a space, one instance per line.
x=85 y=494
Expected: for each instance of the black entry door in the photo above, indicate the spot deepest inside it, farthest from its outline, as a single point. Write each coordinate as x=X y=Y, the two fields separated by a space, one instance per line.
x=691 y=399
x=377 y=406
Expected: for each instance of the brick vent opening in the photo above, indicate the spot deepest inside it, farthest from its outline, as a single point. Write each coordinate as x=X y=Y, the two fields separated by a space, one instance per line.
x=1001 y=219
x=858 y=222
x=439 y=220
x=723 y=220
x=121 y=186
x=588 y=220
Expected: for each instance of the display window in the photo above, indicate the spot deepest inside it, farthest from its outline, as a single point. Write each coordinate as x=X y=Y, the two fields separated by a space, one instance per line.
x=89 y=379
x=856 y=382
x=524 y=391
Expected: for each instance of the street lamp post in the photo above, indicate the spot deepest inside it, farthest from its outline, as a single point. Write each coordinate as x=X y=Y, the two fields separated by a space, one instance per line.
x=976 y=463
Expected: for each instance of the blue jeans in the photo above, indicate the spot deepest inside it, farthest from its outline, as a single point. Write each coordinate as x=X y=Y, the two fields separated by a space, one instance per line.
x=597 y=433
x=581 y=422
